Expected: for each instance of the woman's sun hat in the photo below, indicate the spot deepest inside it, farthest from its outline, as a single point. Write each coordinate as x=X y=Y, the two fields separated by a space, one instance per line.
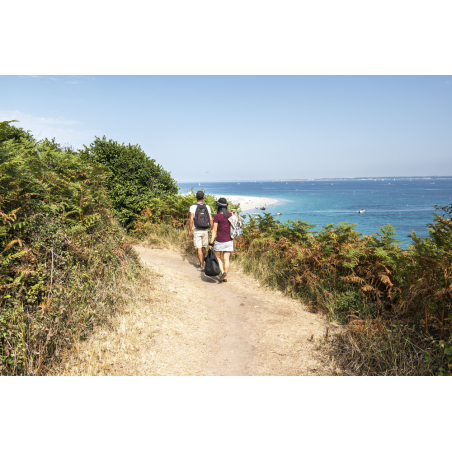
x=222 y=202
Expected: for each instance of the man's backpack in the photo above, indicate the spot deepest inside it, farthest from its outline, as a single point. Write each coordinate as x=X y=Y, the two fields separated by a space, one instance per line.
x=236 y=229
x=202 y=219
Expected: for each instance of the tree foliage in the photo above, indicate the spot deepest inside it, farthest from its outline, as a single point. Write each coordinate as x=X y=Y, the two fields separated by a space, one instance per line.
x=133 y=179
x=10 y=132
x=60 y=251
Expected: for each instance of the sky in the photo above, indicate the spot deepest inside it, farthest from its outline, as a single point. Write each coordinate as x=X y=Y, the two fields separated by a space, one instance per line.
x=239 y=128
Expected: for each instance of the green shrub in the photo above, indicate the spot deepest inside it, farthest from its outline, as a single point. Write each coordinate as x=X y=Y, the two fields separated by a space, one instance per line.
x=62 y=253
x=132 y=178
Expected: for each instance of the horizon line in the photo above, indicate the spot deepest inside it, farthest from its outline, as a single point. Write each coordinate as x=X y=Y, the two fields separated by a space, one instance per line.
x=320 y=179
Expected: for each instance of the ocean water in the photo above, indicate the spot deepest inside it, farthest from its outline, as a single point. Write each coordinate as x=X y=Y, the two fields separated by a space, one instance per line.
x=404 y=203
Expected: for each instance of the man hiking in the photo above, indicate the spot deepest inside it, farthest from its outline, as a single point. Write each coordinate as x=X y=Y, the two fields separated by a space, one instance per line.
x=200 y=223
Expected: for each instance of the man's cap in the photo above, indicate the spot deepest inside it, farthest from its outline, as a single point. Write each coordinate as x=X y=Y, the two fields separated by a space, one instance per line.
x=200 y=194
x=222 y=202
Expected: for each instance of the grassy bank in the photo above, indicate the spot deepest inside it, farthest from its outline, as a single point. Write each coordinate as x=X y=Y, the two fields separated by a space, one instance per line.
x=396 y=304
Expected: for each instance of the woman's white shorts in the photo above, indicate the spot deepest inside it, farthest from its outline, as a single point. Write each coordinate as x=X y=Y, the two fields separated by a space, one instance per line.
x=224 y=246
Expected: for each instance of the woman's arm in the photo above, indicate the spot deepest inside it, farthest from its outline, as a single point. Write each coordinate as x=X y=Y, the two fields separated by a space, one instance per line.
x=214 y=233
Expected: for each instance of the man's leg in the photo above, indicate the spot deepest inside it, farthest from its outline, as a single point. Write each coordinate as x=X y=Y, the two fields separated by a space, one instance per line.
x=197 y=242
x=205 y=244
x=201 y=257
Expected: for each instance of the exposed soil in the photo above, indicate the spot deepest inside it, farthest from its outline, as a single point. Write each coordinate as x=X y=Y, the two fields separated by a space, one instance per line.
x=251 y=330
x=194 y=325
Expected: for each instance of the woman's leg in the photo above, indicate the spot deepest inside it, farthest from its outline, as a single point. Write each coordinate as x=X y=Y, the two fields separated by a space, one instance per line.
x=218 y=254
x=226 y=256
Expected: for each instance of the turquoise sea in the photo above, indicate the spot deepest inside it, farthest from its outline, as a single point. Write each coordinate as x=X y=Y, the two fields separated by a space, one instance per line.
x=405 y=203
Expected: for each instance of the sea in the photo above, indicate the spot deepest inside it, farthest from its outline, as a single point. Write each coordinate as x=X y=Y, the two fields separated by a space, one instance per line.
x=406 y=203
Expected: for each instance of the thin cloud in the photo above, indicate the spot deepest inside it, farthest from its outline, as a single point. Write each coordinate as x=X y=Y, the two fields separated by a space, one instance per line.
x=27 y=118
x=65 y=131
x=74 y=82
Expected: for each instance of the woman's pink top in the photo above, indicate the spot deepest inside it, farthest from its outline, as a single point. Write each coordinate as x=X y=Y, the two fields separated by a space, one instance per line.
x=223 y=228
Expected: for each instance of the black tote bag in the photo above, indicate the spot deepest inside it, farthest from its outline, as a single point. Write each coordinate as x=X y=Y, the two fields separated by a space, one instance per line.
x=211 y=266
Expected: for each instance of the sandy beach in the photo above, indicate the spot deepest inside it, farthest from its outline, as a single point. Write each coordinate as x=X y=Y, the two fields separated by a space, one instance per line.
x=249 y=202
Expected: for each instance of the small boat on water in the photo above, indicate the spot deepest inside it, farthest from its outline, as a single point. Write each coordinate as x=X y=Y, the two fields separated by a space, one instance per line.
x=361 y=211
x=278 y=213
x=262 y=208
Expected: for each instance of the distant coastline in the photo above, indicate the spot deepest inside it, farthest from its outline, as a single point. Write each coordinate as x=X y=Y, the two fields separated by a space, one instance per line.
x=364 y=178
x=326 y=179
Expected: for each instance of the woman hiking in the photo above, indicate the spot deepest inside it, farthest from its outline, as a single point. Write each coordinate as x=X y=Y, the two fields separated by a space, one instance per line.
x=222 y=232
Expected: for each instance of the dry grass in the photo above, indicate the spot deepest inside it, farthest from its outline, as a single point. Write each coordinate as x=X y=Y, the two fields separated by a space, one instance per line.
x=158 y=332
x=386 y=350
x=168 y=237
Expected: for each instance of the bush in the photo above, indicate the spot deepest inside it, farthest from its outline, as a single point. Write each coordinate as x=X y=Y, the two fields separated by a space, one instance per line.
x=132 y=178
x=62 y=253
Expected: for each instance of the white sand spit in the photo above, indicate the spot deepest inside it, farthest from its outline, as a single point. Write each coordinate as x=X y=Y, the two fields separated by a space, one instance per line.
x=249 y=202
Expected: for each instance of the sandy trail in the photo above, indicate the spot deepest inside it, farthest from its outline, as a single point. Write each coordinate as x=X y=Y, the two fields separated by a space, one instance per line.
x=181 y=322
x=249 y=330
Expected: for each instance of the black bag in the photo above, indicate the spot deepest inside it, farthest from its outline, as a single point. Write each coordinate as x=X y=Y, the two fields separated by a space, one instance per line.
x=211 y=266
x=202 y=220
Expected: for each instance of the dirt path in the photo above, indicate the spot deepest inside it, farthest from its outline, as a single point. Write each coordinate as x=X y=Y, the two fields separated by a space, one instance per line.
x=250 y=330
x=181 y=322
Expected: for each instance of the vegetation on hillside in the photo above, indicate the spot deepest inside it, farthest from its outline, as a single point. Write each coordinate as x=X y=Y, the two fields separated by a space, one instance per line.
x=397 y=304
x=64 y=260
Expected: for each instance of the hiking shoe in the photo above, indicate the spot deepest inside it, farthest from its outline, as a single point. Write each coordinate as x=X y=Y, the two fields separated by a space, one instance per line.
x=223 y=276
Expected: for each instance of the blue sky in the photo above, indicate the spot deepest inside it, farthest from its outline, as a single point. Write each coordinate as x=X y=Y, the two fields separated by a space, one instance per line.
x=207 y=128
